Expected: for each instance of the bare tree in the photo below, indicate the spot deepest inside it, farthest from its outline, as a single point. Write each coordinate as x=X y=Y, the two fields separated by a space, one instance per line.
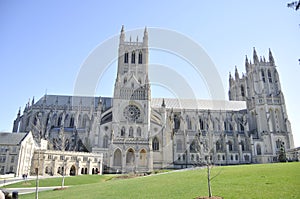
x=295 y=5
x=202 y=145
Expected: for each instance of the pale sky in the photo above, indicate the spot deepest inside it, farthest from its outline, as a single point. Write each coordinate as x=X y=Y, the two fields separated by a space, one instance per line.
x=44 y=43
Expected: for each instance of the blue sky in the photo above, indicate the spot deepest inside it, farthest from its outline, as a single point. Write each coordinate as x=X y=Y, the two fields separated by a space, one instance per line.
x=44 y=43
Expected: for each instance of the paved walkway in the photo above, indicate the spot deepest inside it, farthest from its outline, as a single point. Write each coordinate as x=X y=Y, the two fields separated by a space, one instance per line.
x=30 y=189
x=8 y=181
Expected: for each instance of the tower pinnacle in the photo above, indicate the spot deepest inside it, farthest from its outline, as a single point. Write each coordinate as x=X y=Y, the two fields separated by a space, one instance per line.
x=255 y=57
x=271 y=59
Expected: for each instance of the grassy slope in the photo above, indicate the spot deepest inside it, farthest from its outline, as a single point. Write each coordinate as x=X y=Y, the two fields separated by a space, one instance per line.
x=249 y=181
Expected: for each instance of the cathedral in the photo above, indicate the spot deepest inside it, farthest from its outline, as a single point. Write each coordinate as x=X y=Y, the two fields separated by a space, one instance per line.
x=137 y=133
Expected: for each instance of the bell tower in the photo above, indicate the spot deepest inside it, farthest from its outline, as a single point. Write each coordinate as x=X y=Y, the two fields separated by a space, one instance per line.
x=267 y=115
x=131 y=104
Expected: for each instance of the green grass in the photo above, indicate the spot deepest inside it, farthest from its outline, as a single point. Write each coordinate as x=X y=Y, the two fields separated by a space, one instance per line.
x=69 y=181
x=248 y=181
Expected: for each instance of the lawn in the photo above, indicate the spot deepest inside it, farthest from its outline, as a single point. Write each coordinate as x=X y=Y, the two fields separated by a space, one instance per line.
x=69 y=181
x=247 y=181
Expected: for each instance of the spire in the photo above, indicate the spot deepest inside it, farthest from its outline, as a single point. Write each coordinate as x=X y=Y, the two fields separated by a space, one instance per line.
x=271 y=59
x=32 y=102
x=122 y=35
x=255 y=57
x=230 y=80
x=145 y=38
x=163 y=103
x=237 y=76
x=247 y=63
x=19 y=112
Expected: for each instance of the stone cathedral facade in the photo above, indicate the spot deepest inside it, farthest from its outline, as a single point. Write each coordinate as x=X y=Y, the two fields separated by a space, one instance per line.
x=137 y=133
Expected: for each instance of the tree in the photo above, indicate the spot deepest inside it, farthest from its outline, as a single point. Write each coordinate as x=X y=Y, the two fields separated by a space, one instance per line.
x=282 y=155
x=295 y=5
x=200 y=144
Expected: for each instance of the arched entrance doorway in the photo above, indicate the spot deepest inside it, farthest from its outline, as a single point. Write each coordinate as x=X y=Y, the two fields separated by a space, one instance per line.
x=73 y=170
x=130 y=157
x=143 y=158
x=118 y=158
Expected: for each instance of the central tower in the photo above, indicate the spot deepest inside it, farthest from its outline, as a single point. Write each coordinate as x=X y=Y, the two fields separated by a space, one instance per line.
x=131 y=107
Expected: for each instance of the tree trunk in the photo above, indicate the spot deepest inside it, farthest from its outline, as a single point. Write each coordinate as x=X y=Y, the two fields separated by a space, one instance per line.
x=208 y=181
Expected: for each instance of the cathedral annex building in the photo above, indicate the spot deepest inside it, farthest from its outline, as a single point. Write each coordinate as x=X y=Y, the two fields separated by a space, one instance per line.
x=137 y=133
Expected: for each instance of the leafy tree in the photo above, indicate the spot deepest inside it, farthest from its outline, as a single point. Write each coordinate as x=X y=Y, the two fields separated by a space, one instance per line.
x=282 y=155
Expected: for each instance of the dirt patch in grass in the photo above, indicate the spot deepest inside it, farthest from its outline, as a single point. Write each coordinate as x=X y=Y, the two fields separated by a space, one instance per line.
x=207 y=197
x=60 y=188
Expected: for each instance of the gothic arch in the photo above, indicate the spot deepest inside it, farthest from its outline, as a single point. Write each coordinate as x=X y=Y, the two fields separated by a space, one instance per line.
x=139 y=131
x=67 y=121
x=130 y=157
x=258 y=149
x=117 y=157
x=270 y=76
x=59 y=120
x=143 y=158
x=242 y=91
x=133 y=57
x=72 y=122
x=123 y=130
x=130 y=132
x=155 y=144
x=140 y=57
x=126 y=57
x=230 y=145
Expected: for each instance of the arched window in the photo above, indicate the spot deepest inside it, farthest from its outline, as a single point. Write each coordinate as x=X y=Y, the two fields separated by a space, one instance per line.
x=155 y=144
x=140 y=58
x=176 y=122
x=105 y=141
x=133 y=57
x=117 y=158
x=269 y=76
x=123 y=131
x=201 y=124
x=236 y=157
x=242 y=91
x=126 y=58
x=243 y=145
x=130 y=132
x=258 y=149
x=143 y=158
x=230 y=146
x=263 y=75
x=139 y=132
x=218 y=146
x=130 y=157
x=125 y=80
x=225 y=126
x=72 y=122
x=189 y=123
x=179 y=146
x=67 y=121
x=59 y=121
